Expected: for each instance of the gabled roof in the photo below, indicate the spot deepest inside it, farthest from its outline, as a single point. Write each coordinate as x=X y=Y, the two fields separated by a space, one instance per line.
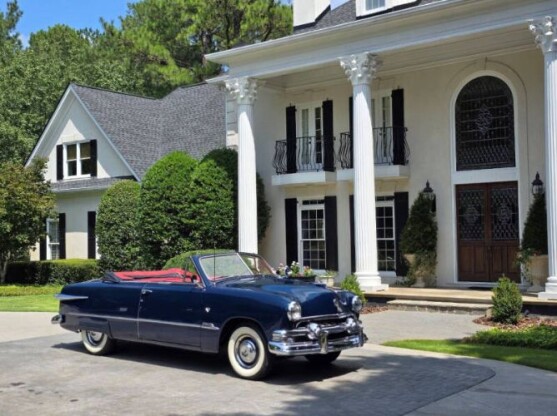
x=143 y=130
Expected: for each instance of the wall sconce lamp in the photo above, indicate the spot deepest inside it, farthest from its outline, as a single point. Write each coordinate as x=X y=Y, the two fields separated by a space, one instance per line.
x=429 y=194
x=537 y=185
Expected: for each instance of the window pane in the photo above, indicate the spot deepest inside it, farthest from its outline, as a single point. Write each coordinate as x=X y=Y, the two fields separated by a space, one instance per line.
x=72 y=168
x=386 y=253
x=86 y=166
x=85 y=150
x=53 y=231
x=54 y=251
x=71 y=152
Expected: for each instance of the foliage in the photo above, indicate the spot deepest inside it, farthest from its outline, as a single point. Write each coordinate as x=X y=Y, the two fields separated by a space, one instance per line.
x=540 y=336
x=25 y=203
x=25 y=290
x=228 y=160
x=420 y=232
x=9 y=38
x=117 y=227
x=53 y=271
x=534 y=237
x=351 y=284
x=210 y=207
x=164 y=226
x=537 y=358
x=507 y=302
x=182 y=260
x=424 y=266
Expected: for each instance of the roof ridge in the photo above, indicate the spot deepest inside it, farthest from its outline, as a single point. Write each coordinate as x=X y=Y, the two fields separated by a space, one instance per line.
x=114 y=92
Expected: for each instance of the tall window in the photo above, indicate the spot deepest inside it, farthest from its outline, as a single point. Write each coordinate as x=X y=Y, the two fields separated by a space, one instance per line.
x=312 y=232
x=386 y=251
x=52 y=239
x=484 y=117
x=78 y=159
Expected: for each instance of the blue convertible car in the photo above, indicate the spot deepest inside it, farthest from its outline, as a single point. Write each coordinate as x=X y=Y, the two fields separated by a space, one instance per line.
x=229 y=302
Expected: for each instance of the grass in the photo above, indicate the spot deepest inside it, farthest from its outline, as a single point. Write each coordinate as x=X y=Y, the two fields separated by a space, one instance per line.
x=531 y=357
x=18 y=298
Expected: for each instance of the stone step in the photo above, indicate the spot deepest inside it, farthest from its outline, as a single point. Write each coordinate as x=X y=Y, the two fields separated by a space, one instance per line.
x=439 y=306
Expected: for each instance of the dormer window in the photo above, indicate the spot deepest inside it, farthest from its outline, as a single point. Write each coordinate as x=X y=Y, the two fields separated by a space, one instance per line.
x=76 y=160
x=375 y=5
x=369 y=7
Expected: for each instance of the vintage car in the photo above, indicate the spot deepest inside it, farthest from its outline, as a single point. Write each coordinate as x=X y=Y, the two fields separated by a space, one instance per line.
x=230 y=303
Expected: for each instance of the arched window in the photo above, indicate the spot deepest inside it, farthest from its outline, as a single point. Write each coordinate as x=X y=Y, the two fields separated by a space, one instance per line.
x=484 y=115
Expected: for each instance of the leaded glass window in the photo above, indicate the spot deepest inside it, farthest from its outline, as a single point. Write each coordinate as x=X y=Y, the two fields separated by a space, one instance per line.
x=484 y=116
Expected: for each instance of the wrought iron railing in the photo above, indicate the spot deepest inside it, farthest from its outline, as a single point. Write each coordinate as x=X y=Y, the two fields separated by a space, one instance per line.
x=304 y=154
x=390 y=147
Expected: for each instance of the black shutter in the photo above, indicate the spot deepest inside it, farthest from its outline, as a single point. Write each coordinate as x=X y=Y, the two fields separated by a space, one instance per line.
x=401 y=215
x=328 y=137
x=42 y=248
x=291 y=225
x=399 y=130
x=291 y=139
x=331 y=232
x=93 y=147
x=62 y=235
x=91 y=235
x=351 y=126
x=59 y=162
x=352 y=236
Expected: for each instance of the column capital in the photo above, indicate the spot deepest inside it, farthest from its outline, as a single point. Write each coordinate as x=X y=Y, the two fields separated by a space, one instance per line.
x=544 y=31
x=243 y=90
x=360 y=68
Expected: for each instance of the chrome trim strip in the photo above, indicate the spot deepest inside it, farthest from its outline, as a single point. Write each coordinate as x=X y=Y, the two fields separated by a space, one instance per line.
x=66 y=298
x=325 y=317
x=150 y=321
x=317 y=346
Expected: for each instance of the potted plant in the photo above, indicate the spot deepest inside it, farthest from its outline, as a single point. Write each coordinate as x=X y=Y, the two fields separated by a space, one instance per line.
x=419 y=241
x=533 y=247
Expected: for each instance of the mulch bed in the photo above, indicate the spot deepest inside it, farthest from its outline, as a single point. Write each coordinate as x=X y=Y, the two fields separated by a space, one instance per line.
x=374 y=309
x=525 y=322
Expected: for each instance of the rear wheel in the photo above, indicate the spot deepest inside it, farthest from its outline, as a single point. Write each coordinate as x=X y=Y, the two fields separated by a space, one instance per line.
x=248 y=354
x=97 y=343
x=323 y=358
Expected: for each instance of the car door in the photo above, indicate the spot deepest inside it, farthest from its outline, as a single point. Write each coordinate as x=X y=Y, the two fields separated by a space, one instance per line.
x=170 y=313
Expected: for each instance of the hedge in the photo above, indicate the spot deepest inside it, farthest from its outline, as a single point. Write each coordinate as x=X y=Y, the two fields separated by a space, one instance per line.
x=52 y=271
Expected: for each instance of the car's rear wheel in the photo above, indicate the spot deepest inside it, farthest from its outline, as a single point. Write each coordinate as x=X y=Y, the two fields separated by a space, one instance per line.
x=247 y=353
x=323 y=358
x=97 y=343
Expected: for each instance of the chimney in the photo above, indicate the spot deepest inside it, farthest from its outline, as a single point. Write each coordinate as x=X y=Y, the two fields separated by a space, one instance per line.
x=307 y=11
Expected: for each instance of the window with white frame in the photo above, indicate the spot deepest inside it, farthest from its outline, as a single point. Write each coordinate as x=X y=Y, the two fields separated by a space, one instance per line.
x=311 y=229
x=52 y=239
x=386 y=248
x=78 y=159
x=374 y=5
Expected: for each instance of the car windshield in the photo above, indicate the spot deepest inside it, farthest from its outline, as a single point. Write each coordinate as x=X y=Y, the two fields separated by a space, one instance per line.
x=222 y=266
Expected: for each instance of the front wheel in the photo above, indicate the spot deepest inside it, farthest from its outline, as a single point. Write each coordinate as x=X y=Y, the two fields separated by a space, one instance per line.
x=323 y=359
x=97 y=343
x=248 y=354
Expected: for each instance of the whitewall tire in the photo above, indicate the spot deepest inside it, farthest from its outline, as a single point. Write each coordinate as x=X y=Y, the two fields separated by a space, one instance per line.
x=97 y=343
x=248 y=354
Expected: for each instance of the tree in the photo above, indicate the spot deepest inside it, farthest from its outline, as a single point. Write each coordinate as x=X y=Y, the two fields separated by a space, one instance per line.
x=534 y=237
x=163 y=220
x=25 y=203
x=117 y=227
x=9 y=38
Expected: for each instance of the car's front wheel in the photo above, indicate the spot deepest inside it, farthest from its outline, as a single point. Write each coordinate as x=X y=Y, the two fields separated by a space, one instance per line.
x=97 y=343
x=247 y=353
x=323 y=358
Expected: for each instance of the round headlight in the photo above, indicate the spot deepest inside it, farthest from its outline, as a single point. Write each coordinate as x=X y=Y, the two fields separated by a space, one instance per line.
x=357 y=304
x=294 y=311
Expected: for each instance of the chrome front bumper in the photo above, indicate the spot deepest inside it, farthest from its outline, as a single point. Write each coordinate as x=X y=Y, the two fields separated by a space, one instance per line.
x=56 y=319
x=318 y=339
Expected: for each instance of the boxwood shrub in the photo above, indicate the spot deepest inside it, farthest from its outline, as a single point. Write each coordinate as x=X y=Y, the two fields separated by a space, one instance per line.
x=52 y=271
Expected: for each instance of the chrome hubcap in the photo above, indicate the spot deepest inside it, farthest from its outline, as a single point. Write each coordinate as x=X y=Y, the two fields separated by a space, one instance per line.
x=246 y=352
x=94 y=338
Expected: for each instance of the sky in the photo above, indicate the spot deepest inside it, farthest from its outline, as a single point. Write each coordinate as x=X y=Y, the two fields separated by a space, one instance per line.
x=79 y=14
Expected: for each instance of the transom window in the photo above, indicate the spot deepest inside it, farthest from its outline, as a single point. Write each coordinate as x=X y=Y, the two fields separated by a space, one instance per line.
x=484 y=118
x=386 y=251
x=52 y=239
x=78 y=159
x=312 y=232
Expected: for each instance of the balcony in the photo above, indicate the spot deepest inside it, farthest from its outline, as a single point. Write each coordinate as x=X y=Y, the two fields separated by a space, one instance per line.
x=303 y=160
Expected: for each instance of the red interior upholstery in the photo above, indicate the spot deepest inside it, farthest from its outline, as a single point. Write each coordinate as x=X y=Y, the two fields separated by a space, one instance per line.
x=156 y=276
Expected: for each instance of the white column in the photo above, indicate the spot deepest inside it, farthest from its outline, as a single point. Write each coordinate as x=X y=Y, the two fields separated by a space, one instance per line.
x=360 y=70
x=244 y=91
x=546 y=39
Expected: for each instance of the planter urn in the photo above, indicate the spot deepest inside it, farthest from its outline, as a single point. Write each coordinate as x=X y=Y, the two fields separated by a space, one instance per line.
x=538 y=272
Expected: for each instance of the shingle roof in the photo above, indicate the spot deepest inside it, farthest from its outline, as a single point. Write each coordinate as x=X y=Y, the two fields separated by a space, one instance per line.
x=86 y=184
x=143 y=130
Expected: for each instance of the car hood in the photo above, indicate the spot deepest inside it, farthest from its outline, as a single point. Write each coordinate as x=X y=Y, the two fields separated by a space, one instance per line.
x=315 y=300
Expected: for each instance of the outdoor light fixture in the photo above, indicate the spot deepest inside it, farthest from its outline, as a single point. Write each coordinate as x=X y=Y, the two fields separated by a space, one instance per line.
x=429 y=194
x=537 y=185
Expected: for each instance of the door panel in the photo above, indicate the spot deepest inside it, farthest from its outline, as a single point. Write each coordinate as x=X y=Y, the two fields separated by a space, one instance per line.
x=487 y=228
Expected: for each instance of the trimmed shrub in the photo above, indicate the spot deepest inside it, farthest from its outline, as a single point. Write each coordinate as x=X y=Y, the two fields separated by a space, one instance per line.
x=182 y=261
x=228 y=160
x=534 y=238
x=163 y=229
x=210 y=207
x=419 y=235
x=542 y=336
x=507 y=302
x=53 y=271
x=117 y=227
x=351 y=283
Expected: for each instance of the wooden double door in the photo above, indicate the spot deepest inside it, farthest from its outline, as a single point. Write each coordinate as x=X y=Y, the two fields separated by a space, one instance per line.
x=487 y=231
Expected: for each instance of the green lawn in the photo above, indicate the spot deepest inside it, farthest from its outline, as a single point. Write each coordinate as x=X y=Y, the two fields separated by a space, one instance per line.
x=531 y=357
x=16 y=298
